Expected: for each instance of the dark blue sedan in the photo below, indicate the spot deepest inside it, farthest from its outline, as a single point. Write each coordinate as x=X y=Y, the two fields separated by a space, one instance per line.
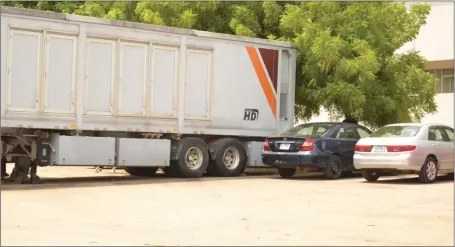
x=324 y=146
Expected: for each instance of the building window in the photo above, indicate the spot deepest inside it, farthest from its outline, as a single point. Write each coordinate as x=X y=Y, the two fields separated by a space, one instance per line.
x=445 y=83
x=437 y=74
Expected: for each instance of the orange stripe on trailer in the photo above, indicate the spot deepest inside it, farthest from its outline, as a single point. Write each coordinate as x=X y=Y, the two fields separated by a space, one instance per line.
x=262 y=76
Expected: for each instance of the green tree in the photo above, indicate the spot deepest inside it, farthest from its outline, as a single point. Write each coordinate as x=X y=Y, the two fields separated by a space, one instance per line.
x=345 y=63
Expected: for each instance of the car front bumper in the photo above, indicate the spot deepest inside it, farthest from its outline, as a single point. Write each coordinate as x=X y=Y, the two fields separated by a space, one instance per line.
x=403 y=162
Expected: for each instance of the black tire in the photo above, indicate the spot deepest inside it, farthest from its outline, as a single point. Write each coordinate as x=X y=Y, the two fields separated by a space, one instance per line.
x=141 y=171
x=334 y=168
x=371 y=176
x=181 y=168
x=233 y=150
x=287 y=172
x=429 y=171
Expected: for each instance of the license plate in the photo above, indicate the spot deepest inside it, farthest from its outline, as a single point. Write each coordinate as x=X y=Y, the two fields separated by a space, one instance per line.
x=378 y=149
x=285 y=146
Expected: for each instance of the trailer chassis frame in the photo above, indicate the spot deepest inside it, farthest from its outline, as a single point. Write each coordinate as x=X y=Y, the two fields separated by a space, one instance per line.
x=19 y=147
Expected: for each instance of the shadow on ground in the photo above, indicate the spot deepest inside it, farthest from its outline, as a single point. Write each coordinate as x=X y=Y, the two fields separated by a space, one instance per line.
x=317 y=176
x=107 y=180
x=410 y=180
x=385 y=179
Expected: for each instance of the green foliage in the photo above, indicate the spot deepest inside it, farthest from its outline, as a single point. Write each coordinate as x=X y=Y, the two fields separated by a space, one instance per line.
x=346 y=61
x=348 y=65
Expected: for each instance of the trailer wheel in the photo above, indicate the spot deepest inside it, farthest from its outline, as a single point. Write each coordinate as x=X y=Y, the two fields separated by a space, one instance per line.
x=230 y=158
x=141 y=171
x=192 y=161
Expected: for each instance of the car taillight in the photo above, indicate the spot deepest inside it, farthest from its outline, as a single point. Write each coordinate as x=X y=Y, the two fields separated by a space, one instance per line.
x=363 y=148
x=266 y=145
x=401 y=148
x=307 y=145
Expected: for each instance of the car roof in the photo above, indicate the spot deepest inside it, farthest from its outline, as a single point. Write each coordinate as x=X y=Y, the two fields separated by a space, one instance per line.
x=406 y=124
x=321 y=123
x=417 y=124
x=333 y=124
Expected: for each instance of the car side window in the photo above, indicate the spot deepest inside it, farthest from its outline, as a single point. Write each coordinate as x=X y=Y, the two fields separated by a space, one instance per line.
x=362 y=133
x=449 y=133
x=346 y=133
x=435 y=134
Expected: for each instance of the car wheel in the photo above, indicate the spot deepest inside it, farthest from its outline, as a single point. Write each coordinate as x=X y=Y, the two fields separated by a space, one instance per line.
x=287 y=172
x=334 y=168
x=370 y=176
x=429 y=171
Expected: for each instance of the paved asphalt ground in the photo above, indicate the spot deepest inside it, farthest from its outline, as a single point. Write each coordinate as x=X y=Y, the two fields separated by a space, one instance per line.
x=116 y=209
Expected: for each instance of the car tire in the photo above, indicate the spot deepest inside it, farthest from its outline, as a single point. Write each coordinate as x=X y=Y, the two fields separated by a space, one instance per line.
x=287 y=172
x=141 y=171
x=429 y=171
x=334 y=168
x=371 y=176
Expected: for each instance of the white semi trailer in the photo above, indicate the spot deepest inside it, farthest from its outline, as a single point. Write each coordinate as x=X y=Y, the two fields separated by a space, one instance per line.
x=82 y=91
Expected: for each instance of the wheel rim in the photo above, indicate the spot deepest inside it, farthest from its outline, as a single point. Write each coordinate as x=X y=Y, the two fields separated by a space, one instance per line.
x=335 y=167
x=431 y=170
x=194 y=158
x=231 y=158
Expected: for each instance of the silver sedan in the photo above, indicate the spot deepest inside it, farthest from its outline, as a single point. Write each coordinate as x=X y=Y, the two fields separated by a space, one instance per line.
x=423 y=149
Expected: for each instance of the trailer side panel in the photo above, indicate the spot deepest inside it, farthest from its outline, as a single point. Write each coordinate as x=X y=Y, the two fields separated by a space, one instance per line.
x=138 y=80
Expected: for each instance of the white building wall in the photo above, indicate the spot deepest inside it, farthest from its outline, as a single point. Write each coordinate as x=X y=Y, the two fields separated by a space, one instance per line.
x=435 y=39
x=435 y=42
x=444 y=115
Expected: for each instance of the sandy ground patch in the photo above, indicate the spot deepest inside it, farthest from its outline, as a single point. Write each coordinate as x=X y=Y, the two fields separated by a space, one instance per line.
x=116 y=209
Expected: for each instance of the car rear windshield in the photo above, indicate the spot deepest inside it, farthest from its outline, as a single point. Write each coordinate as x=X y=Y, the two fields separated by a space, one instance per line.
x=396 y=131
x=311 y=129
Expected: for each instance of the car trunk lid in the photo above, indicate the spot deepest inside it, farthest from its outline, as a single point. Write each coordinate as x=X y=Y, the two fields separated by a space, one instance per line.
x=385 y=145
x=286 y=143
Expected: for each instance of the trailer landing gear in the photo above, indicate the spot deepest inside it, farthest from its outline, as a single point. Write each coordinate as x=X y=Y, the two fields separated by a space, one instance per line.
x=22 y=169
x=3 y=172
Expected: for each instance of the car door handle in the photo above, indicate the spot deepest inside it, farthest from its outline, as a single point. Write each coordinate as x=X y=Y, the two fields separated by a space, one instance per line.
x=434 y=145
